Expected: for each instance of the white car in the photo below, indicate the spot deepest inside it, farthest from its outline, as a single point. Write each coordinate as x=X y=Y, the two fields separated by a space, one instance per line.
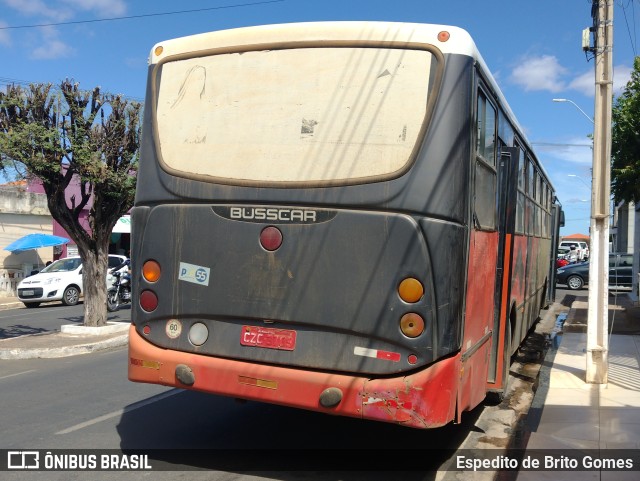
x=581 y=248
x=60 y=281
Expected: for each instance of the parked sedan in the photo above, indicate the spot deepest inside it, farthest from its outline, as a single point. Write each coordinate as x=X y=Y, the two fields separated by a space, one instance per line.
x=60 y=281
x=575 y=276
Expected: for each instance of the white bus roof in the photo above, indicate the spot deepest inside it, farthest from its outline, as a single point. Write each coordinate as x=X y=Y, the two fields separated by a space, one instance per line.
x=458 y=42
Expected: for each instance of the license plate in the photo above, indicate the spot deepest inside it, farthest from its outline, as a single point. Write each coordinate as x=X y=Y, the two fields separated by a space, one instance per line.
x=28 y=293
x=268 y=337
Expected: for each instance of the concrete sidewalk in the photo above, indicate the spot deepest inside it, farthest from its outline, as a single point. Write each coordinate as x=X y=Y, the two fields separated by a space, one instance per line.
x=568 y=413
x=71 y=340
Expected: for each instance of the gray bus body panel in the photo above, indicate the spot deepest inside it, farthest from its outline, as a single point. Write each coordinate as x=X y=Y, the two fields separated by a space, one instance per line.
x=334 y=280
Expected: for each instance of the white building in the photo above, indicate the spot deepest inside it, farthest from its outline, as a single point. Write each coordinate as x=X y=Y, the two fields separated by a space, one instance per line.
x=21 y=213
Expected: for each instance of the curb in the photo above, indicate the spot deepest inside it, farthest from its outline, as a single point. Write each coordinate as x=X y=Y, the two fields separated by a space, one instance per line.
x=11 y=305
x=56 y=352
x=111 y=327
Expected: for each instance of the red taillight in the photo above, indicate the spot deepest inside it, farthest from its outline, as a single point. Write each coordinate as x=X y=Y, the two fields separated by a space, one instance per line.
x=148 y=301
x=270 y=238
x=146 y=330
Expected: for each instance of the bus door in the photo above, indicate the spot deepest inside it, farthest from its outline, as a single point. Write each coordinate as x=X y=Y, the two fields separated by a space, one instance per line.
x=506 y=206
x=557 y=221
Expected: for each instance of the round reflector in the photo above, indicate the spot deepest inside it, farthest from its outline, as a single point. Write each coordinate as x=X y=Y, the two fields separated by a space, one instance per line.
x=410 y=290
x=148 y=301
x=151 y=271
x=198 y=334
x=443 y=36
x=412 y=324
x=270 y=238
x=412 y=359
x=147 y=330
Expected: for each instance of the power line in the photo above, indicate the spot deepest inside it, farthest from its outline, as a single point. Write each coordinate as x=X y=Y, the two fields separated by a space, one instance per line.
x=5 y=81
x=631 y=38
x=9 y=81
x=550 y=144
x=130 y=17
x=633 y=15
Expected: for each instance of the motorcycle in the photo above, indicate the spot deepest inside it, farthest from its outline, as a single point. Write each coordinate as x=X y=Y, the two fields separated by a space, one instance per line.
x=120 y=292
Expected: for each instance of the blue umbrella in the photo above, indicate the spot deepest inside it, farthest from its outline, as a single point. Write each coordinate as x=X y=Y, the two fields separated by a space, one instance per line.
x=35 y=241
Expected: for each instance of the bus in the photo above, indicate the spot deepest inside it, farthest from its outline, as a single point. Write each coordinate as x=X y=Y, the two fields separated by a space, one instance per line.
x=343 y=217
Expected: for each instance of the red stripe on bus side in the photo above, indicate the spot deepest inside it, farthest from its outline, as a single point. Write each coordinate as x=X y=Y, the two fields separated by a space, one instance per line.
x=506 y=279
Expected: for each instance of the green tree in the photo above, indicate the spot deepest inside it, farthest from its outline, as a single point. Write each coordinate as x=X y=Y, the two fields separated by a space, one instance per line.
x=625 y=142
x=69 y=136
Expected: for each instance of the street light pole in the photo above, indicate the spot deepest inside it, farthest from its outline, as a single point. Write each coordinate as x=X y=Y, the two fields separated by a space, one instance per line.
x=576 y=106
x=580 y=179
x=598 y=312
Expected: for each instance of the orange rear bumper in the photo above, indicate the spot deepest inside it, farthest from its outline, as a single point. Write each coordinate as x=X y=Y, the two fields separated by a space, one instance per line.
x=424 y=399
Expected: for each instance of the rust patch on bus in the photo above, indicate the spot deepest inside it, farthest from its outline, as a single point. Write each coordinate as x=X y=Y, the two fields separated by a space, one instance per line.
x=425 y=399
x=397 y=406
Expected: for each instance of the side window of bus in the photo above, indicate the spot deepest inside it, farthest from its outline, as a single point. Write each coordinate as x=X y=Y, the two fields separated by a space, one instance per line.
x=531 y=178
x=549 y=209
x=522 y=175
x=486 y=130
x=531 y=207
x=537 y=220
x=522 y=182
x=485 y=183
x=544 y=208
x=547 y=204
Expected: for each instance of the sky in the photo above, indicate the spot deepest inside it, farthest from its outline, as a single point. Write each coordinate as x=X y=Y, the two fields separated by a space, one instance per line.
x=533 y=49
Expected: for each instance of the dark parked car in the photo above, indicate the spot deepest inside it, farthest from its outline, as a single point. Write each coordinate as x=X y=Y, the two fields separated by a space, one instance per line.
x=575 y=276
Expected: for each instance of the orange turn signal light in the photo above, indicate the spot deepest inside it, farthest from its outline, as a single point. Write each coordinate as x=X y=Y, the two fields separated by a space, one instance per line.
x=410 y=290
x=412 y=324
x=151 y=271
x=444 y=36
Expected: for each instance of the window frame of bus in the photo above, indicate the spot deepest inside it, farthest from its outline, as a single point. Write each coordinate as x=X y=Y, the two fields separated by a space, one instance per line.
x=521 y=195
x=436 y=79
x=485 y=179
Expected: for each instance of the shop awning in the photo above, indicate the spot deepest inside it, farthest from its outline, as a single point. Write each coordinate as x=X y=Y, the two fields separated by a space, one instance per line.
x=123 y=226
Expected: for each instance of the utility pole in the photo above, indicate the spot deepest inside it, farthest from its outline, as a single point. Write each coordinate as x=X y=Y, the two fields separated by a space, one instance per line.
x=598 y=313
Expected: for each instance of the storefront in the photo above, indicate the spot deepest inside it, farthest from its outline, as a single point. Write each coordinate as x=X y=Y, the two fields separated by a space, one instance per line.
x=120 y=242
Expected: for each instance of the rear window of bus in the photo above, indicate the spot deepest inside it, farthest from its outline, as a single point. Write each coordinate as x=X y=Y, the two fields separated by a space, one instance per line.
x=304 y=115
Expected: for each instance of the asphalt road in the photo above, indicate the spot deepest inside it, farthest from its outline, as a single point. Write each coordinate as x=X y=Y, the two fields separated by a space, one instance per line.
x=87 y=402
